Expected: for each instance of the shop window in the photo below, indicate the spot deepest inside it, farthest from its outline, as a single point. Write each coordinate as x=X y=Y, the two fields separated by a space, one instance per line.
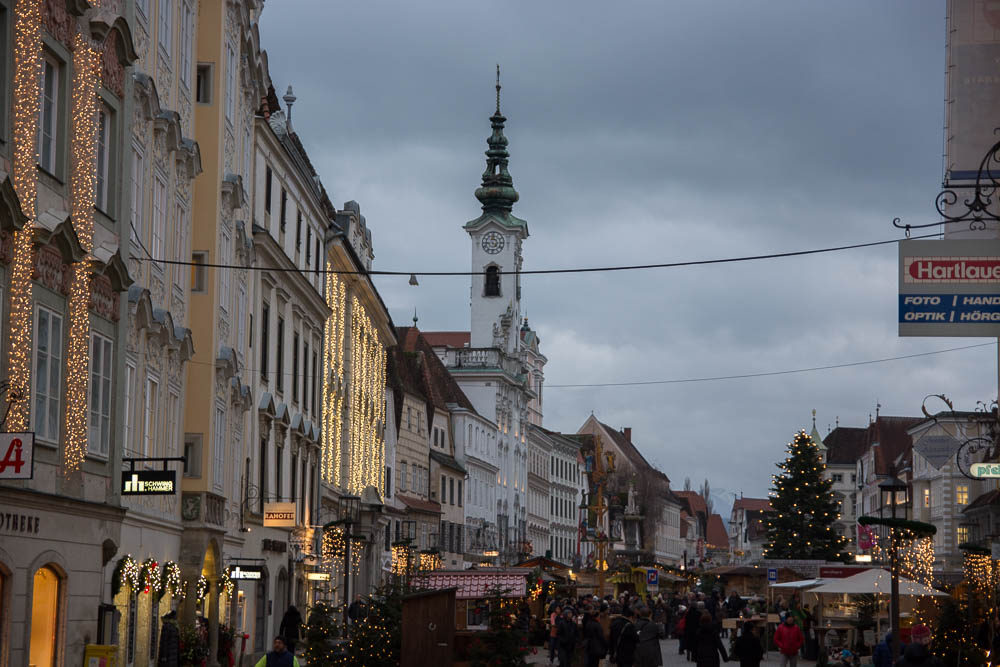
x=45 y=618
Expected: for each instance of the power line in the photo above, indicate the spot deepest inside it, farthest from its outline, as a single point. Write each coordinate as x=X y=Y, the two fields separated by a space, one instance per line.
x=590 y=269
x=767 y=374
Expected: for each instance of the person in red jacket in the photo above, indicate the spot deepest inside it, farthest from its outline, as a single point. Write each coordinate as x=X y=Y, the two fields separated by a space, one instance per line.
x=788 y=638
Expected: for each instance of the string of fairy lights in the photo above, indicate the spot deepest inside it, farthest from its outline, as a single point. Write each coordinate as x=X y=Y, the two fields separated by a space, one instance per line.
x=333 y=551
x=367 y=403
x=333 y=394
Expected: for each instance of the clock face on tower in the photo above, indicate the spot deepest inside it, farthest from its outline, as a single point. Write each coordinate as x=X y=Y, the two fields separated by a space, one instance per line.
x=493 y=242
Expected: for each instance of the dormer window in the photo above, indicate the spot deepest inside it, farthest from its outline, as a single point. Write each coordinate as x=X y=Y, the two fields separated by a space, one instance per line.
x=492 y=281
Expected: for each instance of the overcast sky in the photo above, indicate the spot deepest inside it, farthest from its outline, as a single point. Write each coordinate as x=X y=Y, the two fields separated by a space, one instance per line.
x=652 y=132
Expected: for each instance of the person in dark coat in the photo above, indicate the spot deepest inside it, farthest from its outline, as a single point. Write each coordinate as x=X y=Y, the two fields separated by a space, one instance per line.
x=647 y=651
x=289 y=628
x=625 y=642
x=566 y=633
x=596 y=642
x=707 y=645
x=918 y=651
x=748 y=648
x=691 y=620
x=170 y=642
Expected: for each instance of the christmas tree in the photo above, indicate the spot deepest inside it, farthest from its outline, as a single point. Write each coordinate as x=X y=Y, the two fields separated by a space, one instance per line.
x=375 y=640
x=956 y=632
x=321 y=633
x=803 y=507
x=506 y=642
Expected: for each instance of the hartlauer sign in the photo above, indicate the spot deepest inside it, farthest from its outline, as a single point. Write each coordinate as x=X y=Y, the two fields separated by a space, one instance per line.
x=949 y=288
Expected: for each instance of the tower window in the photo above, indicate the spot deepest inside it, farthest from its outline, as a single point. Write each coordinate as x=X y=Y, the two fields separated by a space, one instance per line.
x=492 y=285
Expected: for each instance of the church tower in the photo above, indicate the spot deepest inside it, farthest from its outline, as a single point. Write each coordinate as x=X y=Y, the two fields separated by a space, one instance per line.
x=496 y=237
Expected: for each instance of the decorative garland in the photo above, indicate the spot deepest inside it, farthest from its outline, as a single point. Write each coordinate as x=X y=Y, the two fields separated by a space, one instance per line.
x=226 y=584
x=171 y=581
x=202 y=588
x=972 y=548
x=127 y=572
x=150 y=576
x=917 y=528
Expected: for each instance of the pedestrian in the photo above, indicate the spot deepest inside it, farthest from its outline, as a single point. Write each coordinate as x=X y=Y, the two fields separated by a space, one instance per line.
x=707 y=645
x=170 y=642
x=554 y=615
x=289 y=628
x=567 y=634
x=647 y=651
x=356 y=610
x=882 y=655
x=747 y=647
x=279 y=657
x=918 y=652
x=788 y=638
x=625 y=641
x=596 y=641
x=691 y=620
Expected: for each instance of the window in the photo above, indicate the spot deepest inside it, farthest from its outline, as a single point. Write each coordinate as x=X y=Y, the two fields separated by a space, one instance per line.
x=48 y=363
x=149 y=417
x=231 y=79
x=388 y=487
x=241 y=323
x=316 y=261
x=99 y=438
x=159 y=216
x=962 y=494
x=165 y=29
x=219 y=448
x=101 y=199
x=295 y=367
x=48 y=113
x=309 y=233
x=45 y=618
x=138 y=193
x=203 y=84
x=225 y=253
x=174 y=418
x=192 y=455
x=187 y=20
x=268 y=180
x=962 y=534
x=199 y=271
x=459 y=493
x=284 y=209
x=314 y=383
x=444 y=486
x=837 y=477
x=451 y=491
x=294 y=486
x=402 y=476
x=305 y=375
x=927 y=497
x=492 y=285
x=262 y=473
x=127 y=416
x=265 y=318
x=280 y=366
x=298 y=230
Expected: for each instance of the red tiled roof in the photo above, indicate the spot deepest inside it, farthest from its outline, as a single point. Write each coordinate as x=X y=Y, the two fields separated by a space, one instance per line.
x=694 y=501
x=447 y=338
x=419 y=505
x=717 y=536
x=475 y=584
x=845 y=444
x=753 y=504
x=438 y=384
x=891 y=435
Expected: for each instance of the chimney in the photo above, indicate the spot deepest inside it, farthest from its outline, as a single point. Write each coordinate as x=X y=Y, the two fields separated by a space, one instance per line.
x=628 y=433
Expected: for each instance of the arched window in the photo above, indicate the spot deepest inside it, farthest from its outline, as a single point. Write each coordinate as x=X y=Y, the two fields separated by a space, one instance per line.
x=492 y=285
x=44 y=617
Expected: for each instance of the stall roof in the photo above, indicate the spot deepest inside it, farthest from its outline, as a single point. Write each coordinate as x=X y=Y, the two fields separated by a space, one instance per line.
x=476 y=584
x=804 y=583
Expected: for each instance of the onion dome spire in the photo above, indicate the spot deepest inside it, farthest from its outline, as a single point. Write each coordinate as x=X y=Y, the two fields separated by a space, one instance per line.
x=497 y=193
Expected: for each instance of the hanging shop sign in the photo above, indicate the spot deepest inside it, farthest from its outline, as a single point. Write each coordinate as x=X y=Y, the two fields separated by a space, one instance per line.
x=279 y=515
x=318 y=576
x=246 y=572
x=949 y=288
x=985 y=470
x=17 y=455
x=149 y=482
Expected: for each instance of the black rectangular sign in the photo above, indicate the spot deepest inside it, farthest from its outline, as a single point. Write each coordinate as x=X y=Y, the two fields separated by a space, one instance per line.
x=246 y=572
x=149 y=482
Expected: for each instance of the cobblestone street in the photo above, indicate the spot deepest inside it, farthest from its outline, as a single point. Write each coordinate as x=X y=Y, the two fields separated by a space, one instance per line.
x=668 y=648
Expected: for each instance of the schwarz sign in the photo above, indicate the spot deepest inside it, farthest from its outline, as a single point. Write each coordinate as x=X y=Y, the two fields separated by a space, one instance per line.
x=17 y=455
x=149 y=482
x=949 y=288
x=985 y=470
x=246 y=572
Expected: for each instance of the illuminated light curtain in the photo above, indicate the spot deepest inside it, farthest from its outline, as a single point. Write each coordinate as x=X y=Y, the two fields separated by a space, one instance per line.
x=86 y=71
x=916 y=556
x=367 y=400
x=333 y=372
x=27 y=69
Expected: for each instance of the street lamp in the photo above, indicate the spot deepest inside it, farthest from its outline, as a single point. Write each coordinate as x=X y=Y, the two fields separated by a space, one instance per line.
x=348 y=514
x=893 y=492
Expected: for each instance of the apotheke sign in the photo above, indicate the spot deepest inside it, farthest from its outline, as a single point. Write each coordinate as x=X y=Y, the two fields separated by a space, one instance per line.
x=149 y=483
x=949 y=288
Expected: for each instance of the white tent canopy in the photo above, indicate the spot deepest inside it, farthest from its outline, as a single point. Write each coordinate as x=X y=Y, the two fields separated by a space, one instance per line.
x=804 y=583
x=873 y=581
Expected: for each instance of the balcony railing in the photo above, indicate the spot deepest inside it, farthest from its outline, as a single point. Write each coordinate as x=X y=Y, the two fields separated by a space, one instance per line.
x=481 y=357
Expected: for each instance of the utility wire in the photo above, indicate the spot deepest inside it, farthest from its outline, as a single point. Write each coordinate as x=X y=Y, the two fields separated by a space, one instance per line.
x=770 y=373
x=591 y=269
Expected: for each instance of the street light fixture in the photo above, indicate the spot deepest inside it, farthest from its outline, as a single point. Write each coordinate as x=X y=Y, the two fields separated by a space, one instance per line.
x=893 y=492
x=348 y=514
